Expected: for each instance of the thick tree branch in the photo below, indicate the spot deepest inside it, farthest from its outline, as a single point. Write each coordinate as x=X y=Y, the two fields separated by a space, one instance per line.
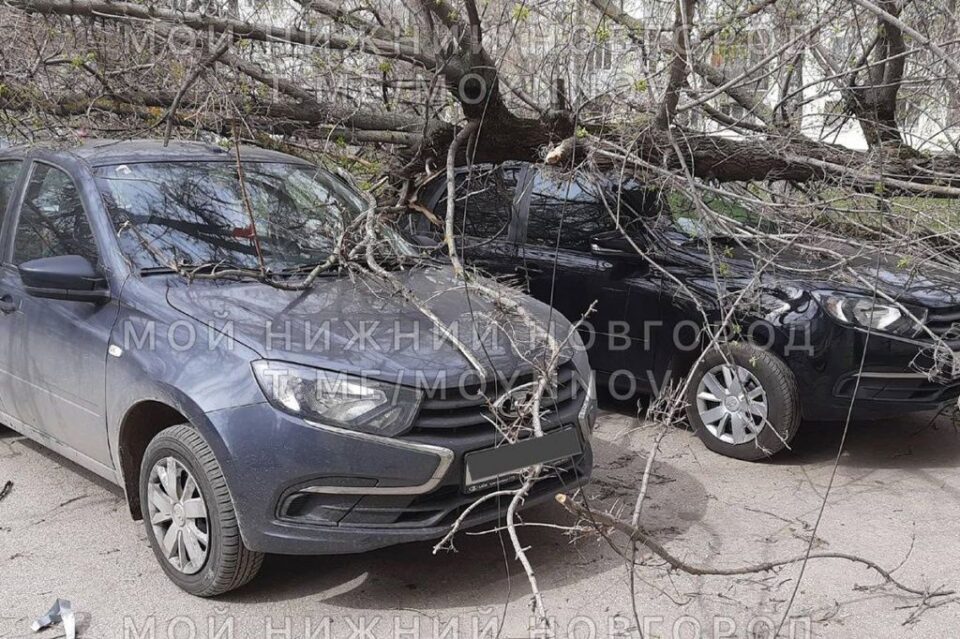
x=796 y=159
x=886 y=16
x=875 y=102
x=678 y=65
x=193 y=77
x=218 y=25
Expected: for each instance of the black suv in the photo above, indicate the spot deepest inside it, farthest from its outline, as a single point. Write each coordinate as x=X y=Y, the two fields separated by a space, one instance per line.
x=557 y=235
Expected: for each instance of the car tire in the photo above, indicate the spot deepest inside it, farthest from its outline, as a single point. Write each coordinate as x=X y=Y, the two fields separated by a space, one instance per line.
x=223 y=563
x=765 y=427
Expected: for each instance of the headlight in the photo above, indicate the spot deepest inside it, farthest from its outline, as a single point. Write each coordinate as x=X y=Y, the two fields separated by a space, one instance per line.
x=338 y=399
x=861 y=310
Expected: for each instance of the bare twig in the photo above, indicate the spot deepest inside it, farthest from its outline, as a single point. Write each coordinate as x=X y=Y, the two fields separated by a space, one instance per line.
x=604 y=520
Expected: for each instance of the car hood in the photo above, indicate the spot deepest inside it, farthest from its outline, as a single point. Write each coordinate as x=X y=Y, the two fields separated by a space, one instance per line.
x=359 y=325
x=925 y=285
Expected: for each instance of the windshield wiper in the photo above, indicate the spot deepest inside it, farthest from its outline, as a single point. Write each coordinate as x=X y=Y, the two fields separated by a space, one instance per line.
x=157 y=270
x=302 y=269
x=297 y=268
x=191 y=269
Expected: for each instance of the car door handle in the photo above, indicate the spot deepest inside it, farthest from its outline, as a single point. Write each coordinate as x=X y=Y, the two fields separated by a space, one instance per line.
x=7 y=305
x=529 y=269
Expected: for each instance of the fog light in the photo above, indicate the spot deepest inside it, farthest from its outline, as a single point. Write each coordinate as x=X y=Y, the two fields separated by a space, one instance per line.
x=587 y=417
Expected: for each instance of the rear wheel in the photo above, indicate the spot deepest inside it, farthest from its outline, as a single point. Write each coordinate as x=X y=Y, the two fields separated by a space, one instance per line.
x=743 y=402
x=189 y=516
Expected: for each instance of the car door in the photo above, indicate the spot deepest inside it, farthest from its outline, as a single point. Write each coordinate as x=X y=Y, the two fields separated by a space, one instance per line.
x=561 y=218
x=485 y=216
x=652 y=305
x=56 y=349
x=651 y=319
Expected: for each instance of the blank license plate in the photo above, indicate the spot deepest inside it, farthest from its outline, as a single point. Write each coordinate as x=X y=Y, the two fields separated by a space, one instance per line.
x=483 y=467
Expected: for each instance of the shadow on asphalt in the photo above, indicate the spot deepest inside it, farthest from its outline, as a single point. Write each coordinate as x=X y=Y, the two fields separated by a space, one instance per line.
x=919 y=440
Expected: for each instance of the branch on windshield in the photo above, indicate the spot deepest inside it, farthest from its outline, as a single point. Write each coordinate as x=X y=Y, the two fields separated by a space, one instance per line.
x=246 y=204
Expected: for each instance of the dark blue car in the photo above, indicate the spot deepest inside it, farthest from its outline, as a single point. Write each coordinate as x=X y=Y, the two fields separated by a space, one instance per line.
x=242 y=416
x=660 y=275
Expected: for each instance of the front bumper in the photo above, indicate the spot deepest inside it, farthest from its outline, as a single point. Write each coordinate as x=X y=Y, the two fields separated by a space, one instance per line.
x=302 y=489
x=829 y=374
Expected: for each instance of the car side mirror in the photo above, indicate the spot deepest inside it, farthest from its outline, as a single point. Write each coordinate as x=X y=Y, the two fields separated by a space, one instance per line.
x=64 y=277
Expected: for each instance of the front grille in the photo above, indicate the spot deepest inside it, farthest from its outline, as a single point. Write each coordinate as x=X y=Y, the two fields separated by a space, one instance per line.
x=468 y=409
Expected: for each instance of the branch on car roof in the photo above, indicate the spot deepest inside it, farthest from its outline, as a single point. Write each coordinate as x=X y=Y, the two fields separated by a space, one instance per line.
x=448 y=234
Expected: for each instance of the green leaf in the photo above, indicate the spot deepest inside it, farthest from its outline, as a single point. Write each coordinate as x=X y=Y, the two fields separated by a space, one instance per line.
x=521 y=13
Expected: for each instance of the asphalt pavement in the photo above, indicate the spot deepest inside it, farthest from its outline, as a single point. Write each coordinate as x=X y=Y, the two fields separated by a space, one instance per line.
x=896 y=500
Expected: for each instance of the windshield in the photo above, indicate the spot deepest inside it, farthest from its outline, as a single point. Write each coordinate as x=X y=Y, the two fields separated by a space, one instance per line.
x=193 y=213
x=688 y=219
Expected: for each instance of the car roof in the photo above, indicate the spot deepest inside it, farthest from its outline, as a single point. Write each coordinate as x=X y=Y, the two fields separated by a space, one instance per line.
x=101 y=152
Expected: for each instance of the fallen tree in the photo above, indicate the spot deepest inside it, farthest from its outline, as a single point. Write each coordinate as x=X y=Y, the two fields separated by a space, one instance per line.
x=462 y=81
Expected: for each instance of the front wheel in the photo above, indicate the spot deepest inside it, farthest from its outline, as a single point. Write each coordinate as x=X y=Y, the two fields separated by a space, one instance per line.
x=743 y=402
x=189 y=516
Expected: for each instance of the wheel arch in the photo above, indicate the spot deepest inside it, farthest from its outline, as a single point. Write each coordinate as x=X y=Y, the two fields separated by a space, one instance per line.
x=141 y=422
x=761 y=334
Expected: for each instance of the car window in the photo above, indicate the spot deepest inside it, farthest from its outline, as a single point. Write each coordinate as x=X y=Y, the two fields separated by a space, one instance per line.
x=566 y=213
x=691 y=220
x=196 y=213
x=484 y=202
x=9 y=171
x=52 y=220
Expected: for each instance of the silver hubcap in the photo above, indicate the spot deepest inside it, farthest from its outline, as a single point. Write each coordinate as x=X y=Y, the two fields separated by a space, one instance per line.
x=732 y=404
x=178 y=515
